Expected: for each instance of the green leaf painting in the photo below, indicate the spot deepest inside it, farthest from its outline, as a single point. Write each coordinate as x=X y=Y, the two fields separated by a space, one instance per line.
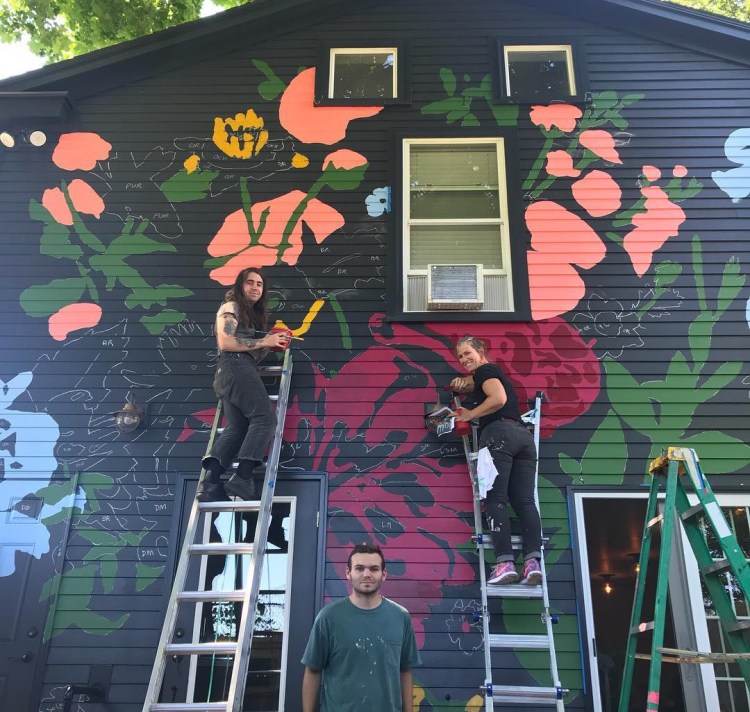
x=459 y=108
x=99 y=264
x=183 y=186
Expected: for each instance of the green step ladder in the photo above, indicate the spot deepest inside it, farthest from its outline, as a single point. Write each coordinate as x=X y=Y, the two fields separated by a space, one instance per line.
x=675 y=466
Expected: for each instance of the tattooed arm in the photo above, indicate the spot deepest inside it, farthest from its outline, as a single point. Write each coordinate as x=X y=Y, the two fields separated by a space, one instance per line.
x=226 y=333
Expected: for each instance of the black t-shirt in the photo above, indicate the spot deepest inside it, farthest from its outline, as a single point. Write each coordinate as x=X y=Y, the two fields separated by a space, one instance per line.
x=484 y=373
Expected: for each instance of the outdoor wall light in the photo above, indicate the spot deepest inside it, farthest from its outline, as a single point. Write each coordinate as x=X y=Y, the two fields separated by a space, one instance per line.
x=35 y=138
x=131 y=416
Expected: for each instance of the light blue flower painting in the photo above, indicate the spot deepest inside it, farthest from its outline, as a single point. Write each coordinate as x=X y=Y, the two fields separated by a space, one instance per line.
x=379 y=202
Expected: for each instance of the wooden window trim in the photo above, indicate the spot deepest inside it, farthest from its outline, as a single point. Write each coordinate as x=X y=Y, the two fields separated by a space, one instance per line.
x=578 y=66
x=324 y=66
x=518 y=236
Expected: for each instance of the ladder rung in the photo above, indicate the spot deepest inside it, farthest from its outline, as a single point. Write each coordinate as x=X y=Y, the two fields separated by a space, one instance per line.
x=674 y=655
x=211 y=596
x=653 y=522
x=526 y=695
x=189 y=707
x=516 y=541
x=221 y=548
x=508 y=641
x=228 y=648
x=691 y=512
x=518 y=590
x=642 y=627
x=270 y=370
x=717 y=567
x=738 y=626
x=238 y=505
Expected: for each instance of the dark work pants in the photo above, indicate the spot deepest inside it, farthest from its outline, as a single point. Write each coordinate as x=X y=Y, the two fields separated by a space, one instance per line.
x=514 y=454
x=250 y=418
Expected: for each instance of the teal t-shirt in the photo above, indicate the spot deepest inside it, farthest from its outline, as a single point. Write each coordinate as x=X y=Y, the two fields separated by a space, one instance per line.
x=361 y=653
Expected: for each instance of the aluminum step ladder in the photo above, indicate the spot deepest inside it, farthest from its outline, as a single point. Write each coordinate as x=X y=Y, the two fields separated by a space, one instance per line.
x=239 y=650
x=512 y=694
x=727 y=571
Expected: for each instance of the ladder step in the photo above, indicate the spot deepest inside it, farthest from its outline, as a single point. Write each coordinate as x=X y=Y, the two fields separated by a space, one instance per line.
x=221 y=548
x=717 y=567
x=508 y=641
x=737 y=626
x=211 y=596
x=270 y=370
x=238 y=505
x=201 y=649
x=189 y=707
x=642 y=627
x=691 y=512
x=526 y=695
x=514 y=591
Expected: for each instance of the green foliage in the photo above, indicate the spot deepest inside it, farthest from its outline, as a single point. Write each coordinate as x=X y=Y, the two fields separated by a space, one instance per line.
x=60 y=29
x=736 y=9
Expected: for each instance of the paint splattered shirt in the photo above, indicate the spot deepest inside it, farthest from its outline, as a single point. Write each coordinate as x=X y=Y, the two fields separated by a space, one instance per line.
x=361 y=653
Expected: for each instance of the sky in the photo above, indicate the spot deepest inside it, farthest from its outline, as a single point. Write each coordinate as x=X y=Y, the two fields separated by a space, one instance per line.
x=16 y=58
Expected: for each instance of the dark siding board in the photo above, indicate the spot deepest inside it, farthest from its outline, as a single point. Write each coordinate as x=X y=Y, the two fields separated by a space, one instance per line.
x=691 y=103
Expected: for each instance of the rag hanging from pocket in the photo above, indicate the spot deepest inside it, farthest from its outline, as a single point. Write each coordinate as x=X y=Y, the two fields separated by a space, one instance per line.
x=486 y=471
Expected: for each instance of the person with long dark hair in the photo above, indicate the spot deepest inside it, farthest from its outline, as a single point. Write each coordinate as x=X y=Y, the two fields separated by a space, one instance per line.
x=513 y=453
x=243 y=341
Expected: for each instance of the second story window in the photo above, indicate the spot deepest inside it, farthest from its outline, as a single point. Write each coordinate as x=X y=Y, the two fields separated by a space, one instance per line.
x=363 y=73
x=529 y=71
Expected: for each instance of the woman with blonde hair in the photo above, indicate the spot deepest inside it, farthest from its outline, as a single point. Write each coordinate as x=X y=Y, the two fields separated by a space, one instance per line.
x=513 y=452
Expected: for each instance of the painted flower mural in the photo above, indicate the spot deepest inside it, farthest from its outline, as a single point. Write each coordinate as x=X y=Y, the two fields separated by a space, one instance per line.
x=270 y=232
x=241 y=136
x=563 y=243
x=311 y=123
x=96 y=264
x=388 y=476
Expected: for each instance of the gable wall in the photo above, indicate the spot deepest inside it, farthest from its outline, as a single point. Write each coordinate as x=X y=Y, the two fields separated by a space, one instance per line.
x=360 y=382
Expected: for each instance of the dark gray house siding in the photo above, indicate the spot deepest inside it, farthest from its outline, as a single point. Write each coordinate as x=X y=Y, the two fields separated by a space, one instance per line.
x=635 y=350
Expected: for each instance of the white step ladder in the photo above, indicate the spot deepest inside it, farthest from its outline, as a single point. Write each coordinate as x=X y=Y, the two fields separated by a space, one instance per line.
x=513 y=694
x=192 y=550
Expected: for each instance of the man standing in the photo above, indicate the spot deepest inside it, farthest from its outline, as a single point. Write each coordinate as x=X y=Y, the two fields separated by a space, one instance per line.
x=363 y=646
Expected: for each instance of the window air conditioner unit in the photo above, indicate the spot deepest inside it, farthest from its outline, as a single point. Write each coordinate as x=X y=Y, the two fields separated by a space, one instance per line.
x=455 y=287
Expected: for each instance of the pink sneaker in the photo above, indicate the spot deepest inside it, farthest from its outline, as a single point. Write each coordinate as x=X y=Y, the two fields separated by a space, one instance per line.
x=503 y=573
x=532 y=573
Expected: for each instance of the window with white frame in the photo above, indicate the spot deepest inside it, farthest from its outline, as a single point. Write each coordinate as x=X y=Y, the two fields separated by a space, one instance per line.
x=455 y=213
x=539 y=72
x=363 y=73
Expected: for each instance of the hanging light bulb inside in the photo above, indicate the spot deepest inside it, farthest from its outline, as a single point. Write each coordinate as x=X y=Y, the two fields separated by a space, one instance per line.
x=608 y=588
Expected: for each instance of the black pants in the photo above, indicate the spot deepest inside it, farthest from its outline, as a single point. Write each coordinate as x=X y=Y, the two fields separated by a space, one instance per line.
x=514 y=454
x=250 y=418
